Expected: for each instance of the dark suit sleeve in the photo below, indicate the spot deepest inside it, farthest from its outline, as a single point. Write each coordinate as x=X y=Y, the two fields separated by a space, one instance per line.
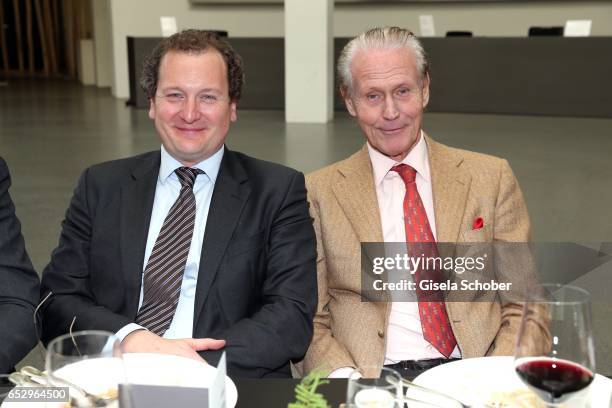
x=68 y=274
x=281 y=330
x=18 y=284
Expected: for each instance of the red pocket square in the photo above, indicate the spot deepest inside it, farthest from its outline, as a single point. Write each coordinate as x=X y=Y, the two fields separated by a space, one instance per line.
x=478 y=223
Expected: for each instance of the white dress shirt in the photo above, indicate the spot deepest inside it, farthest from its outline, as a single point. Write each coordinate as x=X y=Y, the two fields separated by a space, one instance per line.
x=166 y=192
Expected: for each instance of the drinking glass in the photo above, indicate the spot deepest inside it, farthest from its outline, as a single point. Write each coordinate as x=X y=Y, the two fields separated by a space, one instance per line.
x=560 y=368
x=89 y=361
x=382 y=392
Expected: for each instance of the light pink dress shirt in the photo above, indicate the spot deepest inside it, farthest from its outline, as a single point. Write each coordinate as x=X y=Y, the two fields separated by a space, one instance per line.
x=404 y=334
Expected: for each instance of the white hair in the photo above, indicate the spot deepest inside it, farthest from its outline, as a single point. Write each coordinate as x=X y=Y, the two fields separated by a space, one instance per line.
x=380 y=38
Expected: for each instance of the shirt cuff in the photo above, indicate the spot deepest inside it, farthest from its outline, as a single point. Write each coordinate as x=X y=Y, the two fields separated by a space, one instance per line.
x=127 y=329
x=343 y=372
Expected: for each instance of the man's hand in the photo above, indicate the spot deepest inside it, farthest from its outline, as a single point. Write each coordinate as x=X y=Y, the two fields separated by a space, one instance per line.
x=143 y=341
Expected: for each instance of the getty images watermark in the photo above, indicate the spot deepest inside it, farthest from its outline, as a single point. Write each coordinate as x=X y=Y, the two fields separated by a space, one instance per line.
x=422 y=268
x=408 y=272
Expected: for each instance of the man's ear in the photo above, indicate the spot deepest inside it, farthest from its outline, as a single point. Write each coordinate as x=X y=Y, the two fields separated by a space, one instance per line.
x=233 y=114
x=425 y=90
x=151 y=108
x=350 y=105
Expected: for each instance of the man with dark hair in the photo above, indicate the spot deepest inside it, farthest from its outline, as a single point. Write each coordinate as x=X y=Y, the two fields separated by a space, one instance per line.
x=19 y=284
x=193 y=249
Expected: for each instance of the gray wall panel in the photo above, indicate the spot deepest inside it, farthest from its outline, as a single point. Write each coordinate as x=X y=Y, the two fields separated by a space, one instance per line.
x=264 y=64
x=540 y=76
x=535 y=76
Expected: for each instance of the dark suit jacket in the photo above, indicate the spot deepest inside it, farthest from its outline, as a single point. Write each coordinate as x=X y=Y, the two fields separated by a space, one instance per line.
x=19 y=284
x=257 y=278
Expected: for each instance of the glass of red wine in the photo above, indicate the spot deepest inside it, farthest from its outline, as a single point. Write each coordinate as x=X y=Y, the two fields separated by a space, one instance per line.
x=555 y=355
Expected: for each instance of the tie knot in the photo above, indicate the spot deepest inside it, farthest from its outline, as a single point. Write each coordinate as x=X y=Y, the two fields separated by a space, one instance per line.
x=187 y=176
x=407 y=173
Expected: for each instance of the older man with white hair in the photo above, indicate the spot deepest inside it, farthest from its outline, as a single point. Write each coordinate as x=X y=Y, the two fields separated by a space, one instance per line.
x=403 y=186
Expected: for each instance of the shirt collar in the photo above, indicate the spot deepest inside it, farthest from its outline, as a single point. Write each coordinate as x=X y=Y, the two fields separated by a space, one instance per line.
x=417 y=158
x=210 y=166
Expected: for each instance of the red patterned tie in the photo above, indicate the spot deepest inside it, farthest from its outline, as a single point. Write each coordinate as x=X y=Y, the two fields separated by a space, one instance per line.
x=434 y=320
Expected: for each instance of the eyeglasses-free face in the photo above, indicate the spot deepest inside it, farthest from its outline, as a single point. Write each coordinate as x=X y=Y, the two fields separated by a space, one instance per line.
x=191 y=110
x=387 y=99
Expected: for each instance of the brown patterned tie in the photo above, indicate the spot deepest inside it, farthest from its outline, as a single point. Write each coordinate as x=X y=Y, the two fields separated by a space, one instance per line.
x=164 y=272
x=432 y=311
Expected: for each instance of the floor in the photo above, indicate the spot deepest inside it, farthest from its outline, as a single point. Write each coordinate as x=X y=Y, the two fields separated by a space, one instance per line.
x=50 y=131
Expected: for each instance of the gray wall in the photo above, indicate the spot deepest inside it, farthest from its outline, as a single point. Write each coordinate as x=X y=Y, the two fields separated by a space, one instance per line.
x=507 y=19
x=141 y=18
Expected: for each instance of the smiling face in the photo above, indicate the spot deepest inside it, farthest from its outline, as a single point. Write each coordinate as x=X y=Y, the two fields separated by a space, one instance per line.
x=192 y=110
x=387 y=99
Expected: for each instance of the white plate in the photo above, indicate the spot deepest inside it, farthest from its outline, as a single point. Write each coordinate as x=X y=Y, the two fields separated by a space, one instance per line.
x=473 y=381
x=141 y=368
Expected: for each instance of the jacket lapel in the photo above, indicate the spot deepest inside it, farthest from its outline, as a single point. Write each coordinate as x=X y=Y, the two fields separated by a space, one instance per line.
x=137 y=197
x=229 y=197
x=450 y=187
x=355 y=192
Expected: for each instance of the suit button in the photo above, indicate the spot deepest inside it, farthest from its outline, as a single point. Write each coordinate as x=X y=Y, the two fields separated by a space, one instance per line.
x=381 y=334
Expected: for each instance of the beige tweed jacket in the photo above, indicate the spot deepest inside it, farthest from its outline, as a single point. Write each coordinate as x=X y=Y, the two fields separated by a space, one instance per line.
x=343 y=203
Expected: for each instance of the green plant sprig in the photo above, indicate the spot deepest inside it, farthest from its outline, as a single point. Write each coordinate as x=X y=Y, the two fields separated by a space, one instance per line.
x=306 y=395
